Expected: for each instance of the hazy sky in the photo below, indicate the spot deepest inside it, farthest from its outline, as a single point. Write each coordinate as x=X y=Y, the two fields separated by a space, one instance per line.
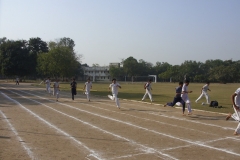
x=107 y=31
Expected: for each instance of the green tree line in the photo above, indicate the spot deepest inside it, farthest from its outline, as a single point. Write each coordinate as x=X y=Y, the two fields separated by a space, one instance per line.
x=35 y=58
x=217 y=70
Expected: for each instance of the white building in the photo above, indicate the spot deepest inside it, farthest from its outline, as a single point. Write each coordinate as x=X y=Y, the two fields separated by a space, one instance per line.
x=97 y=73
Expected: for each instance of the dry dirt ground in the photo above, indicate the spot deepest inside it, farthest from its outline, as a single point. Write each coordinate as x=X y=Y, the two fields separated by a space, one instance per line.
x=34 y=126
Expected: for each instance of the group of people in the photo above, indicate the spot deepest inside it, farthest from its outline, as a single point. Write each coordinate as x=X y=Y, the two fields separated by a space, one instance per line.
x=181 y=98
x=73 y=85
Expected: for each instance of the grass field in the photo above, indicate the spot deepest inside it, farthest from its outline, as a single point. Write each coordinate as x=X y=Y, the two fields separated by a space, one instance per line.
x=164 y=92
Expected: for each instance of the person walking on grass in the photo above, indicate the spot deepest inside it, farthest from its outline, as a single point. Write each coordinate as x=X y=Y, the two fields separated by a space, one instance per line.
x=177 y=99
x=87 y=87
x=73 y=88
x=235 y=98
x=48 y=85
x=114 y=88
x=185 y=97
x=203 y=92
x=56 y=89
x=148 y=88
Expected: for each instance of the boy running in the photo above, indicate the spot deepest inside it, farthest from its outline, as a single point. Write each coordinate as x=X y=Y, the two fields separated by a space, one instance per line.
x=148 y=89
x=56 y=89
x=48 y=85
x=236 y=106
x=184 y=96
x=87 y=87
x=177 y=98
x=73 y=88
x=114 y=87
x=203 y=91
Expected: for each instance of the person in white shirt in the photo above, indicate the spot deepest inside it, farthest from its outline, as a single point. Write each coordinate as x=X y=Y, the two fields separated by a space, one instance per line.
x=148 y=89
x=17 y=81
x=203 y=92
x=114 y=87
x=185 y=97
x=87 y=88
x=56 y=89
x=48 y=85
x=236 y=106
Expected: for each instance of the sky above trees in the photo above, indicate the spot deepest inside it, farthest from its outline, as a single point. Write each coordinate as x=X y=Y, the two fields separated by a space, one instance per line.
x=110 y=30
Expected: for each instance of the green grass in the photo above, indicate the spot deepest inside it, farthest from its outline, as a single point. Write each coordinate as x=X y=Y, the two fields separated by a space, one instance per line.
x=164 y=92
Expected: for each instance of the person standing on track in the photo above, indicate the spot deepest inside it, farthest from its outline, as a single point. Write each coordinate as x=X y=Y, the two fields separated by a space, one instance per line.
x=73 y=88
x=17 y=81
x=114 y=87
x=185 y=97
x=235 y=98
x=56 y=89
x=177 y=98
x=148 y=89
x=87 y=87
x=204 y=90
x=48 y=85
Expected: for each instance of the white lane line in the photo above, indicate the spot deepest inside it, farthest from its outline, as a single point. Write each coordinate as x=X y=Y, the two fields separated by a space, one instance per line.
x=142 y=128
x=172 y=117
x=144 y=148
x=24 y=145
x=92 y=152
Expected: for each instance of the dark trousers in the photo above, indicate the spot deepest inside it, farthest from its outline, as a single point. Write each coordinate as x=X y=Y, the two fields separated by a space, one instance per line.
x=175 y=100
x=74 y=92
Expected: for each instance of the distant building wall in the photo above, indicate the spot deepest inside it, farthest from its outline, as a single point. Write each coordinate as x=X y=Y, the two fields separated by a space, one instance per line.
x=97 y=73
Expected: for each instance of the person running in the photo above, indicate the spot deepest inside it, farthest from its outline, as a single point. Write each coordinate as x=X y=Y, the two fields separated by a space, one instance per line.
x=114 y=87
x=17 y=81
x=56 y=89
x=148 y=89
x=48 y=85
x=73 y=88
x=185 y=97
x=203 y=92
x=87 y=87
x=235 y=98
x=177 y=98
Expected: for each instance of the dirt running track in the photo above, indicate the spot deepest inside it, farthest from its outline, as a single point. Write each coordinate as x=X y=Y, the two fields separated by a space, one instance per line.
x=34 y=126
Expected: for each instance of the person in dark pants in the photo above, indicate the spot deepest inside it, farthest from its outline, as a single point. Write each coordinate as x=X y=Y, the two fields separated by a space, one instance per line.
x=73 y=88
x=177 y=98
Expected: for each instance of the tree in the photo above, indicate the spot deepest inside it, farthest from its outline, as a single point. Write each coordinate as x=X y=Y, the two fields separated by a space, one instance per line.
x=14 y=58
x=58 y=62
x=36 y=46
x=130 y=66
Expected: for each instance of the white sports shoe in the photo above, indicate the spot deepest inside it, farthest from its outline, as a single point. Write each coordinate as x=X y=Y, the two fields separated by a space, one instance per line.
x=109 y=96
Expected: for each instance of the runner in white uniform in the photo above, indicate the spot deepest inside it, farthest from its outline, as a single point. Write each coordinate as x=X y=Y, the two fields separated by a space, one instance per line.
x=56 y=89
x=184 y=96
x=204 y=90
x=87 y=88
x=236 y=107
x=48 y=85
x=148 y=89
x=114 y=87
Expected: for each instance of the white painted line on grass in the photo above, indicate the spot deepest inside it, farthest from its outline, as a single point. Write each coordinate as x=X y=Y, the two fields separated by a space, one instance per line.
x=24 y=145
x=93 y=153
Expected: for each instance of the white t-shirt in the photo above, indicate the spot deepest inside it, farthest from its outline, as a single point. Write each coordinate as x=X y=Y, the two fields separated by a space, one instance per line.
x=148 y=85
x=48 y=82
x=88 y=86
x=185 y=95
x=56 y=85
x=237 y=98
x=114 y=87
x=205 y=88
